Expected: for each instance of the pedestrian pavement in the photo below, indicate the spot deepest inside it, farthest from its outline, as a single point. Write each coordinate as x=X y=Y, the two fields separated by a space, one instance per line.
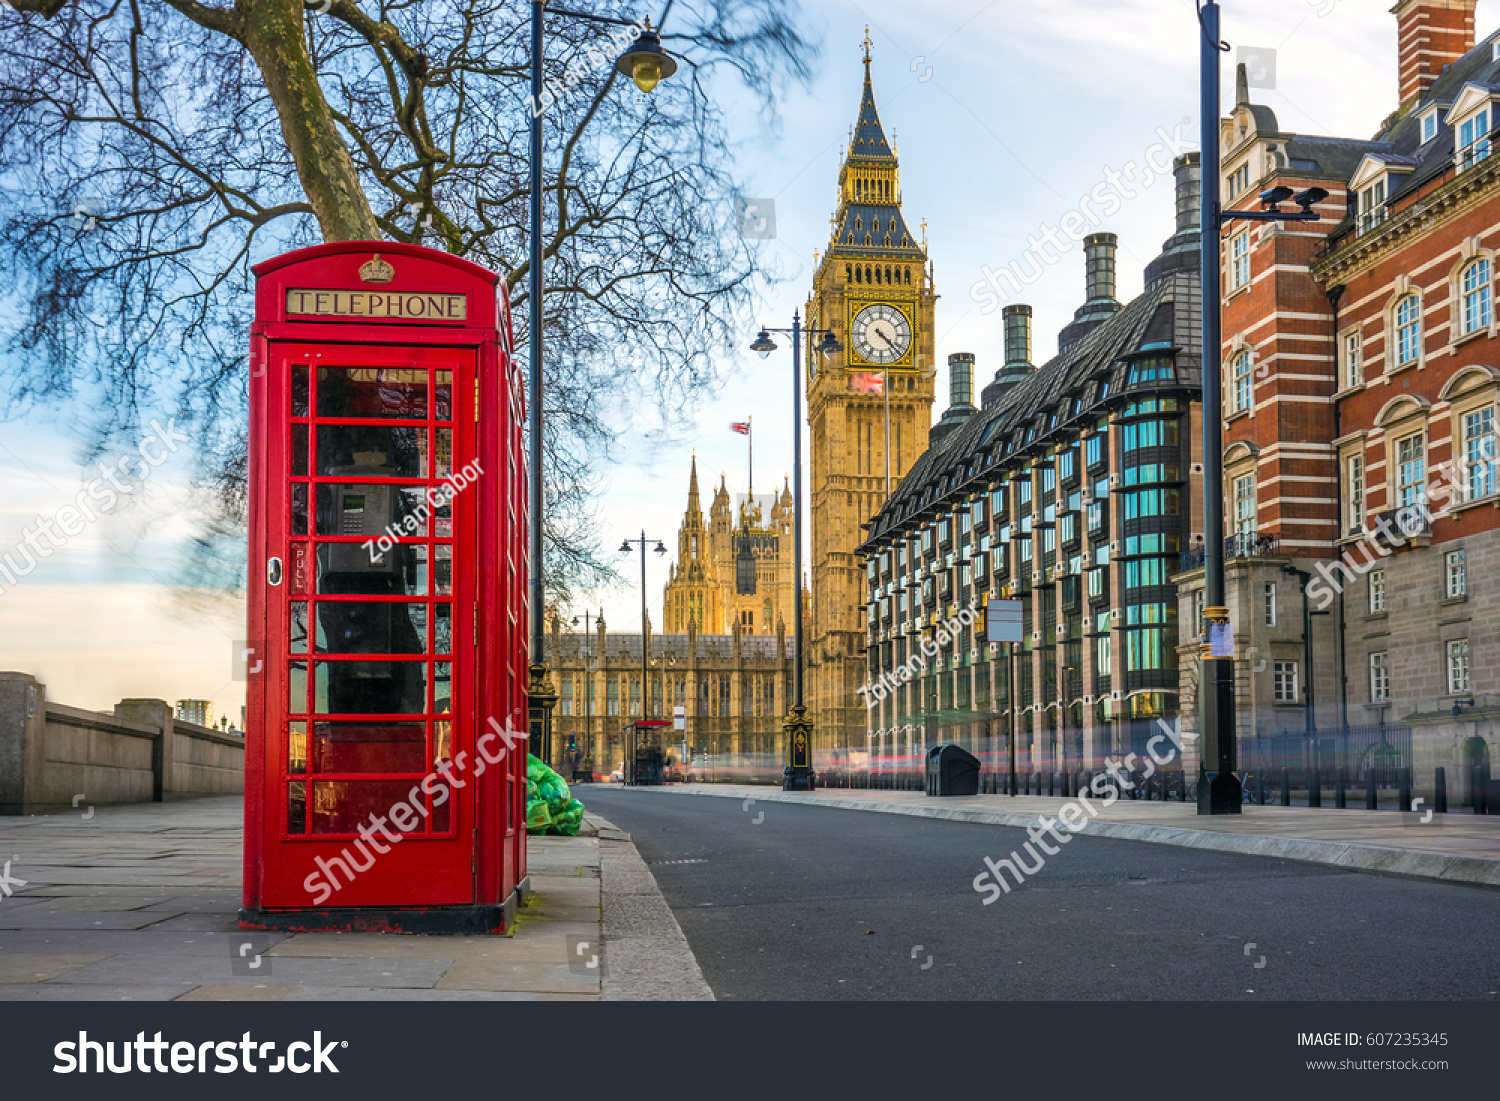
x=1457 y=847
x=141 y=903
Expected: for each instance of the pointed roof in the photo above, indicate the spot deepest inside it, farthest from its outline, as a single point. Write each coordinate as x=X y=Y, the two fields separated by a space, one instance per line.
x=869 y=143
x=693 y=505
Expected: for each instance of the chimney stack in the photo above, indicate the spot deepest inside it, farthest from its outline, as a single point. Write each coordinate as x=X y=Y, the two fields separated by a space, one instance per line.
x=1017 y=366
x=1180 y=252
x=960 y=396
x=1099 y=252
x=1430 y=36
x=1100 y=306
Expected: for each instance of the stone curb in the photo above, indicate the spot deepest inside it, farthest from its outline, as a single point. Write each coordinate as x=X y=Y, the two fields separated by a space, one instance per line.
x=1445 y=867
x=646 y=955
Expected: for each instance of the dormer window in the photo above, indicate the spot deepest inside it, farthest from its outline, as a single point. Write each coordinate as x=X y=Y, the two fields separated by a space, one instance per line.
x=1429 y=123
x=1474 y=138
x=1372 y=206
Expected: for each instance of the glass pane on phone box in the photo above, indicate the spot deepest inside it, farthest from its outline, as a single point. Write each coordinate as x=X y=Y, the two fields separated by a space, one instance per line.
x=296 y=748
x=442 y=813
x=343 y=806
x=296 y=807
x=442 y=687
x=443 y=571
x=371 y=688
x=442 y=740
x=368 y=511
x=346 y=568
x=296 y=692
x=371 y=747
x=372 y=392
x=299 y=450
x=444 y=453
x=442 y=629
x=298 y=635
x=299 y=508
x=361 y=627
x=376 y=450
x=299 y=389
x=442 y=519
x=444 y=391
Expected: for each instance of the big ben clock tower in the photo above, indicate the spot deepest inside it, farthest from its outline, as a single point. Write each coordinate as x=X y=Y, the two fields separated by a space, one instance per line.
x=868 y=409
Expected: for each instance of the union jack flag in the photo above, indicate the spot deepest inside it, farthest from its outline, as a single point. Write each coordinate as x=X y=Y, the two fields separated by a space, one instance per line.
x=867 y=383
x=742 y=427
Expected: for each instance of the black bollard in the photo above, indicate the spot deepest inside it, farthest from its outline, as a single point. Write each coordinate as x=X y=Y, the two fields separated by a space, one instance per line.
x=1405 y=794
x=1051 y=783
x=1260 y=786
x=1372 y=800
x=1315 y=789
x=1440 y=792
x=1341 y=790
x=1286 y=787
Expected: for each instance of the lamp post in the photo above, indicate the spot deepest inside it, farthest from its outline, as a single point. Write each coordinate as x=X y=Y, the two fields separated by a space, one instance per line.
x=587 y=702
x=798 y=774
x=660 y=549
x=646 y=63
x=1218 y=785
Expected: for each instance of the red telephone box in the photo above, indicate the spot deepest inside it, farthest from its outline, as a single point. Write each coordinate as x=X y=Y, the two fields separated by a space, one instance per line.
x=386 y=714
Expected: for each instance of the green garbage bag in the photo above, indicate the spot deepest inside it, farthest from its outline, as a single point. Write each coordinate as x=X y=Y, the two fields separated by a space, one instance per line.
x=550 y=806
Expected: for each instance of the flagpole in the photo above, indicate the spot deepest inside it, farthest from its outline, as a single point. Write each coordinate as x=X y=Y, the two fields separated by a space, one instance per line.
x=750 y=441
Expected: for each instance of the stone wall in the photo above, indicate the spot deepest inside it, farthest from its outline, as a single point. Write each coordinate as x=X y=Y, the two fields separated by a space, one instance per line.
x=54 y=757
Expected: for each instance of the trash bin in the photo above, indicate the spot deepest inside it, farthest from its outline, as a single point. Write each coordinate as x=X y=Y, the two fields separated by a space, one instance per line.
x=952 y=770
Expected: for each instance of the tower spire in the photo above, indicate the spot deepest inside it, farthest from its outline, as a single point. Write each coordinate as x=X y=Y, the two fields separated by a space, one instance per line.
x=867 y=45
x=694 y=508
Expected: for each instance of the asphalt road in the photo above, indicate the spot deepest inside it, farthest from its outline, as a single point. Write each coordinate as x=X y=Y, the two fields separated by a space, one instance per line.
x=786 y=902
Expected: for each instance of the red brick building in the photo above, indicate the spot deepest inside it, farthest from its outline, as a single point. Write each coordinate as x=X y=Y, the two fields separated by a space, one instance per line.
x=1361 y=370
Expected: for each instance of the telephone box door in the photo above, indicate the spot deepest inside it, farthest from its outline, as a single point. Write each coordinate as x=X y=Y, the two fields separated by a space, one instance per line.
x=370 y=583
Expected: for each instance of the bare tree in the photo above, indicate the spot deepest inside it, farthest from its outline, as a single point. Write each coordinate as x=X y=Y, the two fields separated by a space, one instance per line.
x=158 y=148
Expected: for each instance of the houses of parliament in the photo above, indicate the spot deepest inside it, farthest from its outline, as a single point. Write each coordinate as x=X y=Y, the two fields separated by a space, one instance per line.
x=726 y=650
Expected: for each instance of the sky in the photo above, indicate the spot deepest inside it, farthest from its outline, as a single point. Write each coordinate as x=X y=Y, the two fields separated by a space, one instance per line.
x=1005 y=115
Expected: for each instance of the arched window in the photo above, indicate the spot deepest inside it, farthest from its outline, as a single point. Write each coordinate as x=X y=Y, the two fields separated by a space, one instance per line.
x=1475 y=304
x=887 y=270
x=868 y=277
x=1408 y=329
x=848 y=274
x=859 y=222
x=1242 y=387
x=858 y=274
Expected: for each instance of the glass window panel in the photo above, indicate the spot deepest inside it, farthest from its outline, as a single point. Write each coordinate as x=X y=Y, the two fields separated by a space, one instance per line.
x=370 y=511
x=299 y=508
x=371 y=747
x=444 y=465
x=342 y=806
x=442 y=814
x=296 y=692
x=371 y=688
x=299 y=390
x=443 y=389
x=442 y=740
x=345 y=568
x=299 y=628
x=296 y=807
x=442 y=580
x=299 y=449
x=296 y=748
x=442 y=632
x=378 y=450
x=397 y=392
x=369 y=627
x=442 y=687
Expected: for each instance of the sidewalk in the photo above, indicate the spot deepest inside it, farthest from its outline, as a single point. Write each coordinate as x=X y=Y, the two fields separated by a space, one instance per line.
x=1457 y=847
x=139 y=903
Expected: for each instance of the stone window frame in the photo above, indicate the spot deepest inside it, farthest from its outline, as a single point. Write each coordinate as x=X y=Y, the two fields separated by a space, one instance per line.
x=1468 y=391
x=1371 y=588
x=1402 y=289
x=1234 y=261
x=1401 y=418
x=1470 y=253
x=1277 y=682
x=1343 y=384
x=1450 y=667
x=1455 y=594
x=1238 y=346
x=1383 y=696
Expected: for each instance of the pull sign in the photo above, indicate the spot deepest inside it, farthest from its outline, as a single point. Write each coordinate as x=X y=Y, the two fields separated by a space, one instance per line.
x=273 y=572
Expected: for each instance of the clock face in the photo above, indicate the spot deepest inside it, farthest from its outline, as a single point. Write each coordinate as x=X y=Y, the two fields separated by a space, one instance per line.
x=881 y=334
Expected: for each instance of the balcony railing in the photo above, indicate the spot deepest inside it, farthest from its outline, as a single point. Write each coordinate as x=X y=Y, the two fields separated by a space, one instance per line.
x=1240 y=545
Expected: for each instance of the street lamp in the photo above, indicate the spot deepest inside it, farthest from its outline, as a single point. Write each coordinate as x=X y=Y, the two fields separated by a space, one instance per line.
x=798 y=774
x=645 y=63
x=1218 y=785
x=660 y=549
